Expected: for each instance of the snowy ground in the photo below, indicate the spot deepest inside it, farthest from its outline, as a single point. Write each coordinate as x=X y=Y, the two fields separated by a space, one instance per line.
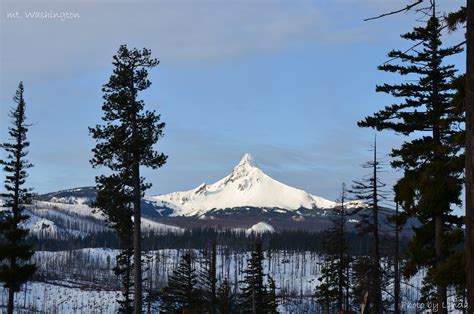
x=82 y=281
x=62 y=297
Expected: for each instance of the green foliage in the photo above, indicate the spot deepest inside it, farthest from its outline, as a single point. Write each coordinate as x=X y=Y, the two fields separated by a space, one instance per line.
x=15 y=253
x=118 y=140
x=226 y=302
x=327 y=293
x=124 y=143
x=272 y=303
x=432 y=162
x=114 y=200
x=457 y=18
x=254 y=291
x=330 y=293
x=181 y=293
x=334 y=279
x=255 y=296
x=208 y=279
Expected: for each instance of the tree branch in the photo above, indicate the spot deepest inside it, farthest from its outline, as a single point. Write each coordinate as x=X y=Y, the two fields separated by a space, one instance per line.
x=408 y=7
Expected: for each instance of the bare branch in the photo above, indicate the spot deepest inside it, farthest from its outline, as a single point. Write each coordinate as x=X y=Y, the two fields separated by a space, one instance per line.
x=407 y=8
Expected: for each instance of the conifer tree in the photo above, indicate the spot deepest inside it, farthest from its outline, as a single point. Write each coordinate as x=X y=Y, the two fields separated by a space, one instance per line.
x=431 y=163
x=362 y=282
x=15 y=253
x=370 y=191
x=272 y=303
x=327 y=292
x=114 y=200
x=208 y=278
x=254 y=291
x=125 y=142
x=181 y=293
x=225 y=298
x=332 y=292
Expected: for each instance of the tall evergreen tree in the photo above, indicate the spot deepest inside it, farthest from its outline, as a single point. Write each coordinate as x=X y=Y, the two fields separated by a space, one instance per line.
x=465 y=15
x=272 y=304
x=370 y=191
x=114 y=200
x=208 y=278
x=254 y=291
x=126 y=140
x=332 y=293
x=225 y=298
x=15 y=253
x=327 y=292
x=432 y=163
x=181 y=293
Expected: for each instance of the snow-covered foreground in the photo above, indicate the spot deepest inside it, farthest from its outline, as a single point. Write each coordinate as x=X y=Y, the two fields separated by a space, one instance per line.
x=82 y=281
x=61 y=297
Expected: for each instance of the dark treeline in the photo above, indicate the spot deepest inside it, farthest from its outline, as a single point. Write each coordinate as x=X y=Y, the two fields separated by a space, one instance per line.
x=296 y=241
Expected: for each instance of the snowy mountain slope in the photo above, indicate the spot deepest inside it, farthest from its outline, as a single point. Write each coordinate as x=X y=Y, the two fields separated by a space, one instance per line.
x=61 y=215
x=74 y=205
x=246 y=186
x=261 y=227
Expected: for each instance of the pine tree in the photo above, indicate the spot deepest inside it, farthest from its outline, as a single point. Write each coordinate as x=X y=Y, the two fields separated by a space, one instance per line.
x=15 y=253
x=327 y=292
x=225 y=298
x=362 y=281
x=272 y=304
x=114 y=200
x=181 y=293
x=432 y=164
x=126 y=140
x=368 y=272
x=332 y=292
x=208 y=278
x=254 y=292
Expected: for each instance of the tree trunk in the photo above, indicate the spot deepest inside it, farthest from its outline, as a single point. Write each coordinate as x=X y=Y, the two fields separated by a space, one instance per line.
x=441 y=293
x=469 y=156
x=150 y=282
x=11 y=301
x=396 y=265
x=128 y=279
x=254 y=308
x=137 y=253
x=377 y=294
x=341 y=253
x=213 y=277
x=137 y=233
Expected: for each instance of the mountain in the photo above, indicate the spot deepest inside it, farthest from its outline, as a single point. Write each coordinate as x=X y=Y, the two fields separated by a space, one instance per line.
x=246 y=199
x=261 y=227
x=69 y=213
x=247 y=186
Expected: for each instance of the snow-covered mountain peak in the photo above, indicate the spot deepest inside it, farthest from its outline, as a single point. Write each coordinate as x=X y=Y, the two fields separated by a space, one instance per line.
x=246 y=172
x=246 y=161
x=246 y=186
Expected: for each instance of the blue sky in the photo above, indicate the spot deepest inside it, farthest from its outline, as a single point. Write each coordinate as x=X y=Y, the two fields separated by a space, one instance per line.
x=284 y=80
